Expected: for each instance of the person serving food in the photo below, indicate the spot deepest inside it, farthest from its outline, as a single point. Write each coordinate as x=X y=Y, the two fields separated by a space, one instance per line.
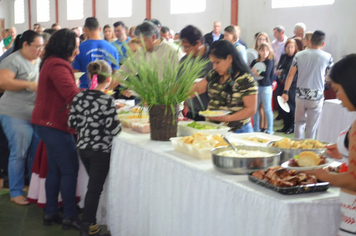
x=230 y=87
x=343 y=77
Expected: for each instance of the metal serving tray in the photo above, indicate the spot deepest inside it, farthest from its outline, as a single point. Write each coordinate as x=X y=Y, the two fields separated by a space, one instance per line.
x=309 y=188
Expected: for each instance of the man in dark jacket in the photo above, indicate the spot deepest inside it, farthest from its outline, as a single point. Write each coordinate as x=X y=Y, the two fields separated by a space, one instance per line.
x=214 y=35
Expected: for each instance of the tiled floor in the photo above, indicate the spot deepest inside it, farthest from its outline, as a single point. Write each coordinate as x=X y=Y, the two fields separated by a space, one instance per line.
x=27 y=220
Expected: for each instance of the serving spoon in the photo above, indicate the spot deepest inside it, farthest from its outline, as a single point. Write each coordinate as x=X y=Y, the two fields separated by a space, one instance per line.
x=230 y=144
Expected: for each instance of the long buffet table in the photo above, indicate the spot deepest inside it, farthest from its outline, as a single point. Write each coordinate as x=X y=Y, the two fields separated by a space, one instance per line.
x=153 y=190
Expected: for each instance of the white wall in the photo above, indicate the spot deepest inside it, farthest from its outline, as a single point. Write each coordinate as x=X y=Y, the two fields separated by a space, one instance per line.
x=4 y=11
x=337 y=21
x=215 y=10
x=138 y=13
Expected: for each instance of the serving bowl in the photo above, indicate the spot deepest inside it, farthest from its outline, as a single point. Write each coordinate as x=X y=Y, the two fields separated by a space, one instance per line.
x=289 y=153
x=244 y=165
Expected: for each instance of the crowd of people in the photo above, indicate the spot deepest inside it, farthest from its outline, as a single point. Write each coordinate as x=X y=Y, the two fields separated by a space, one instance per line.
x=42 y=106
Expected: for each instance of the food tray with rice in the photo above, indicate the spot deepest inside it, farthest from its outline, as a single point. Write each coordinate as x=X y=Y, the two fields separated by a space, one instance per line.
x=245 y=160
x=198 y=145
x=187 y=128
x=288 y=182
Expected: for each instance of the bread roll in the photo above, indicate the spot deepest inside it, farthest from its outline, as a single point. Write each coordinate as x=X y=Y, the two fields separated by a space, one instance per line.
x=308 y=158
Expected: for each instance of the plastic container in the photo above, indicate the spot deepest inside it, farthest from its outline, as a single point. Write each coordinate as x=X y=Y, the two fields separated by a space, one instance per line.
x=141 y=127
x=128 y=122
x=184 y=130
x=190 y=150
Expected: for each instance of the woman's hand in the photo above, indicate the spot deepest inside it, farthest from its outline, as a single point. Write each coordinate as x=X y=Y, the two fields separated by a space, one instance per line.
x=278 y=72
x=32 y=86
x=126 y=93
x=254 y=71
x=321 y=174
x=332 y=151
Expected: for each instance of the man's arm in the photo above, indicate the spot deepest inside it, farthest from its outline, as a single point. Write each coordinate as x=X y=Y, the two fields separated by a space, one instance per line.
x=289 y=81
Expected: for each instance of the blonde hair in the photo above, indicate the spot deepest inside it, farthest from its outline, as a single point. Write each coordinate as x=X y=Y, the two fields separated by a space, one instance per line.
x=308 y=35
x=268 y=46
x=263 y=34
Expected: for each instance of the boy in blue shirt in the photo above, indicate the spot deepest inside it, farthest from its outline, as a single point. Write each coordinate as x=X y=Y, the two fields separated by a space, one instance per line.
x=94 y=49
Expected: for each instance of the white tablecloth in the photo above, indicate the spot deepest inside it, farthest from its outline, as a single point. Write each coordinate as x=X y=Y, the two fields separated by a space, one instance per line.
x=334 y=119
x=154 y=191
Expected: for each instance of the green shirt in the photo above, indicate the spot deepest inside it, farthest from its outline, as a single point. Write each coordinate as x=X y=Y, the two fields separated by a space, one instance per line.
x=7 y=41
x=228 y=96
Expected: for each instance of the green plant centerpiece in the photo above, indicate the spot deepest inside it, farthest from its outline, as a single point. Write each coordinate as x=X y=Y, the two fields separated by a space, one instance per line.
x=162 y=83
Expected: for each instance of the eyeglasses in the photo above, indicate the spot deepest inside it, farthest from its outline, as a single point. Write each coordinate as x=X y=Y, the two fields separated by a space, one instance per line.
x=38 y=47
x=185 y=48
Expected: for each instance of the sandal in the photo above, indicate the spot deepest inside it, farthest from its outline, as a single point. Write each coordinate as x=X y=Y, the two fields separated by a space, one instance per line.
x=20 y=200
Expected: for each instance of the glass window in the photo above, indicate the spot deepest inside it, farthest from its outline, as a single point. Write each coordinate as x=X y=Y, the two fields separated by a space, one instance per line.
x=19 y=8
x=75 y=9
x=187 y=6
x=43 y=11
x=120 y=8
x=299 y=3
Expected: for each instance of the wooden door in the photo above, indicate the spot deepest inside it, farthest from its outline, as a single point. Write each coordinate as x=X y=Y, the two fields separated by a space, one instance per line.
x=2 y=26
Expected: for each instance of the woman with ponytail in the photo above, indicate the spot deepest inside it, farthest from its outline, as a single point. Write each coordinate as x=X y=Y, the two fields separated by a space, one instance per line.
x=18 y=77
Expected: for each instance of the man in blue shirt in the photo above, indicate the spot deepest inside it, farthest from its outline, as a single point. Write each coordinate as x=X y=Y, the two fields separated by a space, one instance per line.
x=122 y=39
x=94 y=49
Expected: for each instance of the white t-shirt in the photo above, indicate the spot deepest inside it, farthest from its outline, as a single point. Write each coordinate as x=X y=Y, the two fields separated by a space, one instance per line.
x=2 y=47
x=19 y=104
x=312 y=65
x=278 y=49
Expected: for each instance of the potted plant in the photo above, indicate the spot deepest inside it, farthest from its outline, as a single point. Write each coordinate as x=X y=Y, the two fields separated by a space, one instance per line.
x=162 y=86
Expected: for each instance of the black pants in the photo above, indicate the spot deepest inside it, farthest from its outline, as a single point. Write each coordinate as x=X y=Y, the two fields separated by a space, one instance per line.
x=288 y=118
x=97 y=165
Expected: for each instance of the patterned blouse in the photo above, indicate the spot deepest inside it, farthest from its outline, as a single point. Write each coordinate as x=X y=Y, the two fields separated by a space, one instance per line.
x=228 y=96
x=93 y=114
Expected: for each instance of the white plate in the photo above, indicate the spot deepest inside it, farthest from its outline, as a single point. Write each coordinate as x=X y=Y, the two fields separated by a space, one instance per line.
x=224 y=113
x=133 y=93
x=252 y=54
x=77 y=75
x=260 y=66
x=285 y=165
x=198 y=80
x=283 y=104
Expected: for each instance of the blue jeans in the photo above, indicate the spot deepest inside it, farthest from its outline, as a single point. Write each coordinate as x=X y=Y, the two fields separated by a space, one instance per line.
x=246 y=128
x=23 y=142
x=62 y=170
x=264 y=97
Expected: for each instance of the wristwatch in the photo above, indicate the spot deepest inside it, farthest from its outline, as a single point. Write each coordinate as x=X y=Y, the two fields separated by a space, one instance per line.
x=285 y=91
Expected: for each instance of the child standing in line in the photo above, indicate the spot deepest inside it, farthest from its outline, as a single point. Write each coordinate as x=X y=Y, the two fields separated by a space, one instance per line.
x=93 y=114
x=265 y=55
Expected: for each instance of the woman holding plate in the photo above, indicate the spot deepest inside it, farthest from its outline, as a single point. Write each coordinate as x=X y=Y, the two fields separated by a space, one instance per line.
x=283 y=67
x=343 y=77
x=230 y=87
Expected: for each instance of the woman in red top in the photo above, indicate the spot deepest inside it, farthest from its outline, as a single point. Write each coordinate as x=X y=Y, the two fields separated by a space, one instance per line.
x=56 y=90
